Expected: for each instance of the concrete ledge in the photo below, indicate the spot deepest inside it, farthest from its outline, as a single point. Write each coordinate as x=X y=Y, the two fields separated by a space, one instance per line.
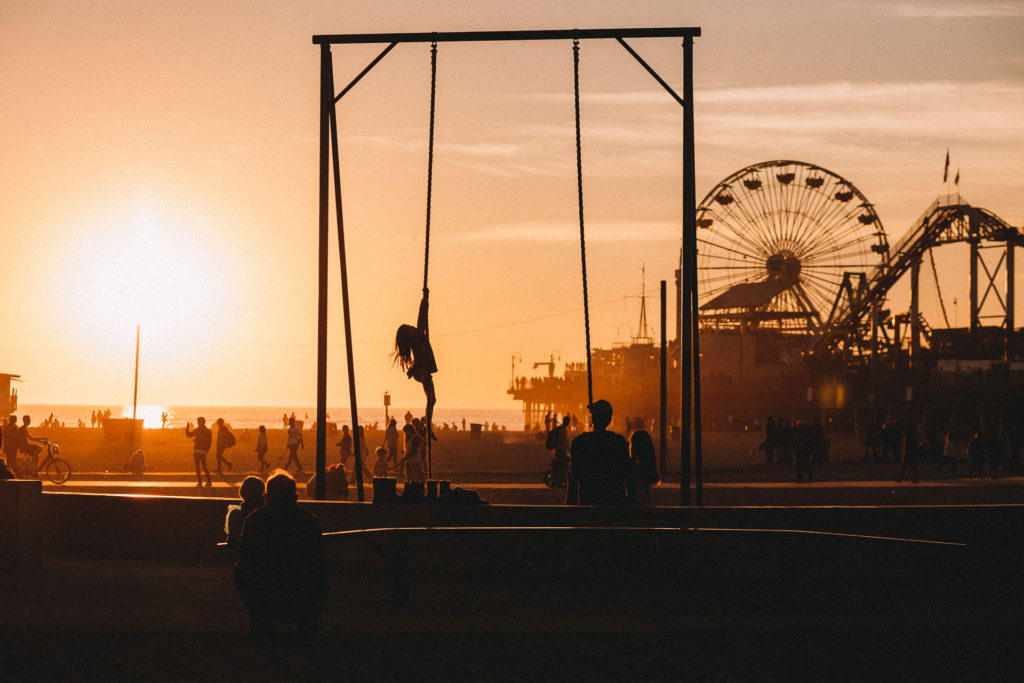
x=20 y=503
x=152 y=527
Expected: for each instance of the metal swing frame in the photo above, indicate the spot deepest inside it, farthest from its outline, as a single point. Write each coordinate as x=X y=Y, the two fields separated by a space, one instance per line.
x=328 y=158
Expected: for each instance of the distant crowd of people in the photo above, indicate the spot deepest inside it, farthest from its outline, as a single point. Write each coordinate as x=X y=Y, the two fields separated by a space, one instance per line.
x=796 y=442
x=904 y=442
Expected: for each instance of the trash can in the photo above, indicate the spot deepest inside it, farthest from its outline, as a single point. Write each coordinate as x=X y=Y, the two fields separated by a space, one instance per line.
x=475 y=428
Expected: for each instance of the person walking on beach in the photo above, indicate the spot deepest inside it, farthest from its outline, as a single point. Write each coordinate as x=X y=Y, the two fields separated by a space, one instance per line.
x=225 y=440
x=413 y=460
x=803 y=448
x=202 y=438
x=391 y=443
x=295 y=442
x=344 y=444
x=599 y=461
x=261 y=449
x=414 y=354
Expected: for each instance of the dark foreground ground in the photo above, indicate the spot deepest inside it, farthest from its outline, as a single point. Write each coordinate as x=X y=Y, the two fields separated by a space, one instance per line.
x=101 y=619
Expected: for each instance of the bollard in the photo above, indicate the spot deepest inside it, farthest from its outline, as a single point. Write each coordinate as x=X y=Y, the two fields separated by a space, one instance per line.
x=431 y=490
x=413 y=492
x=443 y=487
x=385 y=490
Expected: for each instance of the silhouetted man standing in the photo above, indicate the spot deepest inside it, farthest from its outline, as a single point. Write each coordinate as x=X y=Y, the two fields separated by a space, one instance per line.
x=280 y=572
x=599 y=461
x=203 y=437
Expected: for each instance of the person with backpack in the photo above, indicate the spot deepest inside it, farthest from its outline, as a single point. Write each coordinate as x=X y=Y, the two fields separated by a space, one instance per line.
x=225 y=440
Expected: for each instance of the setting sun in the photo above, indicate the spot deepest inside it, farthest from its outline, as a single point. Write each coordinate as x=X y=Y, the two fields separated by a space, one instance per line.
x=147 y=266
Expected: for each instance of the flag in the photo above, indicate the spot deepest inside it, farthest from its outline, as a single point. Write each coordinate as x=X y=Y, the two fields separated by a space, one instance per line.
x=956 y=181
x=945 y=171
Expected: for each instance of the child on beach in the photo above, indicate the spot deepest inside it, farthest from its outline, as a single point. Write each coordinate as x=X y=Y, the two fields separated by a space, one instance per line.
x=380 y=468
x=414 y=355
x=261 y=449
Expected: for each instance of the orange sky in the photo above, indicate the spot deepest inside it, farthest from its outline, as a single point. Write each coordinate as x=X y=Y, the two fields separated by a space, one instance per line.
x=158 y=166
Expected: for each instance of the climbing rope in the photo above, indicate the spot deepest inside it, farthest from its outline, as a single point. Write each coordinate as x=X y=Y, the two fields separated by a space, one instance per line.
x=430 y=158
x=579 y=187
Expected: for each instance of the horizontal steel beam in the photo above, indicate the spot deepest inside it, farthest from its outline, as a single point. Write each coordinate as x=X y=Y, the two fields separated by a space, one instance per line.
x=486 y=36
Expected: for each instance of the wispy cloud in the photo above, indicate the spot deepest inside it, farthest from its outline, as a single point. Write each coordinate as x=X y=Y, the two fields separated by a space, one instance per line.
x=958 y=10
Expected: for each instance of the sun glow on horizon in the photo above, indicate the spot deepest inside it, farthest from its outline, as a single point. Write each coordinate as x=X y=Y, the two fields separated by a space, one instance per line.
x=150 y=414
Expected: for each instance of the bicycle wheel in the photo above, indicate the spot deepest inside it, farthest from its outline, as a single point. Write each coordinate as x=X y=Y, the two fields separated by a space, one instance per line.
x=58 y=471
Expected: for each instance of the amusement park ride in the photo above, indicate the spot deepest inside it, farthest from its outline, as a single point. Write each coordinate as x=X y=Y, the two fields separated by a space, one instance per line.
x=796 y=313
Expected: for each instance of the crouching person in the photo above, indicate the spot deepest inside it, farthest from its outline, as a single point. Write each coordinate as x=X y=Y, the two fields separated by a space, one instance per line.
x=280 y=571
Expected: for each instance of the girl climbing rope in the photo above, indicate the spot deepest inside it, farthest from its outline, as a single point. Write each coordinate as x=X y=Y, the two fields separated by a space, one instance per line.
x=414 y=355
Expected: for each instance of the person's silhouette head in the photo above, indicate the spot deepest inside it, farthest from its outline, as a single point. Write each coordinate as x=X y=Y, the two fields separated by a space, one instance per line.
x=566 y=420
x=393 y=423
x=600 y=413
x=640 y=442
x=13 y=419
x=26 y=420
x=263 y=429
x=251 y=490
x=201 y=421
x=281 y=490
x=291 y=421
x=220 y=421
x=405 y=338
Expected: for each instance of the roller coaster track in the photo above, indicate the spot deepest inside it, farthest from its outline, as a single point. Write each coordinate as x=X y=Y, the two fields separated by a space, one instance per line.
x=949 y=219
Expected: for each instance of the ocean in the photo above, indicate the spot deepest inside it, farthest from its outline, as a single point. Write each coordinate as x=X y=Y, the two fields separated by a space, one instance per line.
x=251 y=417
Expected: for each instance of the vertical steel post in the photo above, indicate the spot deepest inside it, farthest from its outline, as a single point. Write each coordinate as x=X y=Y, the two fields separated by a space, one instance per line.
x=326 y=104
x=663 y=385
x=1010 y=318
x=974 y=289
x=686 y=319
x=357 y=438
x=915 y=312
x=690 y=275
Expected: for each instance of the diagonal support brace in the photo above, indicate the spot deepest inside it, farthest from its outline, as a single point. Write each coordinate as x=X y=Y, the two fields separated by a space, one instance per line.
x=651 y=71
x=365 y=71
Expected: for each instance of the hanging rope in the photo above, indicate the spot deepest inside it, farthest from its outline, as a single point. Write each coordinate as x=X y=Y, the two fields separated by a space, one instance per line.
x=579 y=187
x=430 y=158
x=426 y=239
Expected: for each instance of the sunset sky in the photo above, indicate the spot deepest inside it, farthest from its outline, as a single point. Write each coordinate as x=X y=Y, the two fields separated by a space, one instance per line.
x=158 y=166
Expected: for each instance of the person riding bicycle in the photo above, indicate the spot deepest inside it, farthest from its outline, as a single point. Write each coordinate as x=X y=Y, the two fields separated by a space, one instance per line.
x=31 y=450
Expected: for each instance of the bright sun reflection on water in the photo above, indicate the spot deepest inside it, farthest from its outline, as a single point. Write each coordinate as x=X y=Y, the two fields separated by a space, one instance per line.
x=150 y=414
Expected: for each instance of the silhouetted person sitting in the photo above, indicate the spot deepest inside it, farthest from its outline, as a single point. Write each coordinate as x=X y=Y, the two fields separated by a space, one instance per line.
x=599 y=461
x=251 y=492
x=280 y=571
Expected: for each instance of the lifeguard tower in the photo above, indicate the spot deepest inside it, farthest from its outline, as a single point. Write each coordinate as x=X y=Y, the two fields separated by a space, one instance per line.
x=8 y=396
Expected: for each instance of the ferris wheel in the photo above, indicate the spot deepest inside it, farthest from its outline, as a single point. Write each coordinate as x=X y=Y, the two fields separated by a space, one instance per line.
x=778 y=236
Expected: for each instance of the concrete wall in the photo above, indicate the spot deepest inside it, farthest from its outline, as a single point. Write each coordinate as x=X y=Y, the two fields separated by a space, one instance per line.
x=129 y=526
x=19 y=522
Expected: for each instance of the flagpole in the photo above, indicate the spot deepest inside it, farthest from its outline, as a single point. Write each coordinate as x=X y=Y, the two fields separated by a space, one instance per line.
x=135 y=395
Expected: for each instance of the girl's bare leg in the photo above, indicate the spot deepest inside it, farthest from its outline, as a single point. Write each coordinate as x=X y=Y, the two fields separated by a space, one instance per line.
x=428 y=389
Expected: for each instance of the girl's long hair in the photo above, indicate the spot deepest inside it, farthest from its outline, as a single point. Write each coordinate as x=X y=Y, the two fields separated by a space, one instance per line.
x=405 y=338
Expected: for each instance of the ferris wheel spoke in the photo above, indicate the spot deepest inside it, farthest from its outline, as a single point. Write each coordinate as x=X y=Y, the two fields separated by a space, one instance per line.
x=728 y=249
